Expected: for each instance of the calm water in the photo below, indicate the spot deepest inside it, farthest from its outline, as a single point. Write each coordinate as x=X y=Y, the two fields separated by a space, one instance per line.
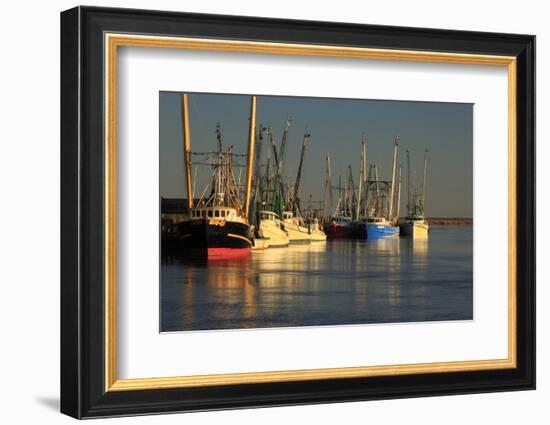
x=332 y=283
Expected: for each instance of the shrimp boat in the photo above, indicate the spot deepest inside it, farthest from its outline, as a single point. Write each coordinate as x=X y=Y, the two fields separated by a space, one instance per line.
x=271 y=227
x=316 y=231
x=378 y=228
x=341 y=224
x=415 y=225
x=268 y=193
x=298 y=232
x=215 y=231
x=217 y=227
x=381 y=203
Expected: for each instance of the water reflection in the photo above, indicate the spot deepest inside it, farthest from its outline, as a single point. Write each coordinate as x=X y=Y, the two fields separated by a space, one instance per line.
x=337 y=282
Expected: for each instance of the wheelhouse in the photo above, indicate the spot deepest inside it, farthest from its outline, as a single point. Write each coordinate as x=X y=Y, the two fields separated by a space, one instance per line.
x=214 y=212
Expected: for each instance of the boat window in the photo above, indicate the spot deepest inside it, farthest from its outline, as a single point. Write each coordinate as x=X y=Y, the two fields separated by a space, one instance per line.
x=217 y=213
x=210 y=213
x=223 y=213
x=203 y=213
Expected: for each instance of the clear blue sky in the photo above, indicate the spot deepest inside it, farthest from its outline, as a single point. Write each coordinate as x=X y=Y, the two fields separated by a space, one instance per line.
x=336 y=126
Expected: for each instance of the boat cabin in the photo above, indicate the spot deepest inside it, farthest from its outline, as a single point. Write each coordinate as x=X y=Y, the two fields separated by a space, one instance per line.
x=268 y=215
x=377 y=220
x=341 y=219
x=214 y=212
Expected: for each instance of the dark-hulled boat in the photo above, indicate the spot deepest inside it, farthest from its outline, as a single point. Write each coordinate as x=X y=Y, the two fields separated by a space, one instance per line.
x=215 y=232
x=341 y=227
x=216 y=227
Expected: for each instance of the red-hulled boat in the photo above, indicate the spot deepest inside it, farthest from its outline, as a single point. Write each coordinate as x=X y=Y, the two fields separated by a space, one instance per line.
x=341 y=227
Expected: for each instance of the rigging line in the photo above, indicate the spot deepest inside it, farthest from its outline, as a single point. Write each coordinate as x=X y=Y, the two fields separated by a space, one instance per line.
x=206 y=187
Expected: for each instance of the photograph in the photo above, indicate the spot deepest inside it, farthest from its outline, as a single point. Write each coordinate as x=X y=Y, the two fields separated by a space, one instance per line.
x=280 y=212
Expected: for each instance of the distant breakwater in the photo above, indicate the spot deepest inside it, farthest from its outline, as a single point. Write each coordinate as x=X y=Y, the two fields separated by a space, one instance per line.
x=450 y=221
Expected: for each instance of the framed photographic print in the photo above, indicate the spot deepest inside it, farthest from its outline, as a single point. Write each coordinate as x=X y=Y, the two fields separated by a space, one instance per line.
x=261 y=212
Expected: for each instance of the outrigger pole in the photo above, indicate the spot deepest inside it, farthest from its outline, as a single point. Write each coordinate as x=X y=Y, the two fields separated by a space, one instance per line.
x=187 y=147
x=250 y=161
x=296 y=195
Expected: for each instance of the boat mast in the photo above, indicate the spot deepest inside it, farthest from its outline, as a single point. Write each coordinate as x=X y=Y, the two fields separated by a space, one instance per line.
x=258 y=172
x=274 y=147
x=408 y=184
x=338 y=210
x=296 y=196
x=350 y=193
x=250 y=162
x=361 y=177
x=368 y=196
x=223 y=164
x=277 y=201
x=327 y=209
x=424 y=179
x=377 y=202
x=392 y=194
x=398 y=191
x=282 y=149
x=187 y=147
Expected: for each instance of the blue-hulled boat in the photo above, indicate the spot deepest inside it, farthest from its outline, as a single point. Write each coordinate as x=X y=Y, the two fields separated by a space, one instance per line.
x=381 y=202
x=378 y=228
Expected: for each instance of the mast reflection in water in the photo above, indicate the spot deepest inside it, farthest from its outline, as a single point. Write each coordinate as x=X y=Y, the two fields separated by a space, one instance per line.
x=334 y=283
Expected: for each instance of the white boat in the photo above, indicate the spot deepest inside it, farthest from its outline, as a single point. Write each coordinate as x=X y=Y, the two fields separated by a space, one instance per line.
x=298 y=232
x=272 y=227
x=260 y=243
x=316 y=231
x=415 y=226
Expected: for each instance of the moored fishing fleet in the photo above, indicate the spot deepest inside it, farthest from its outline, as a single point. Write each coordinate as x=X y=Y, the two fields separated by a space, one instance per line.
x=229 y=218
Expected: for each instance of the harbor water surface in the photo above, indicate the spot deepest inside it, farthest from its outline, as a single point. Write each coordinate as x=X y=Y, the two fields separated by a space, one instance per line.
x=336 y=282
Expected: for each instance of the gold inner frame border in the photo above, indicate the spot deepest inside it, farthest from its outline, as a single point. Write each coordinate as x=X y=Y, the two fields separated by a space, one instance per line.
x=112 y=41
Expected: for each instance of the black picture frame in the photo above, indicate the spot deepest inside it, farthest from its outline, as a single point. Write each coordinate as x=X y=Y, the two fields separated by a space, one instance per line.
x=82 y=212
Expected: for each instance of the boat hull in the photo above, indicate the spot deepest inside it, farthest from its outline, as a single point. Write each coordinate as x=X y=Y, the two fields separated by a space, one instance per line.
x=415 y=229
x=318 y=236
x=297 y=234
x=259 y=244
x=377 y=231
x=210 y=238
x=337 y=231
